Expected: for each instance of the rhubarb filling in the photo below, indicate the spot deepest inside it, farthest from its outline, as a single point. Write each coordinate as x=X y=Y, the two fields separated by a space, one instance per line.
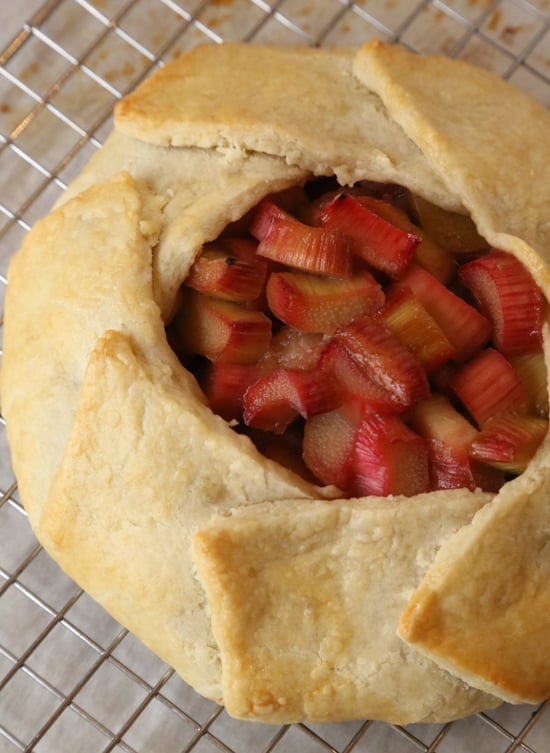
x=369 y=340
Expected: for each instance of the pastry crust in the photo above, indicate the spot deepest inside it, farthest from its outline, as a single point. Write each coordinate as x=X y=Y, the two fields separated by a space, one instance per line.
x=335 y=576
x=240 y=98
x=493 y=573
x=258 y=587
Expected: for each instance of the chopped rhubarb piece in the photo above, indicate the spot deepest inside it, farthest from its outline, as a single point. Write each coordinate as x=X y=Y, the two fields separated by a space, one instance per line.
x=288 y=241
x=360 y=191
x=436 y=418
x=312 y=303
x=385 y=360
x=217 y=273
x=266 y=215
x=355 y=382
x=222 y=330
x=449 y=469
x=453 y=231
x=531 y=368
x=466 y=329
x=240 y=247
x=328 y=444
x=409 y=321
x=488 y=385
x=244 y=249
x=224 y=384
x=510 y=298
x=310 y=213
x=509 y=441
x=275 y=400
x=380 y=243
x=363 y=192
x=292 y=349
x=387 y=211
x=389 y=458
x=440 y=379
x=338 y=363
x=435 y=259
x=449 y=435
x=428 y=254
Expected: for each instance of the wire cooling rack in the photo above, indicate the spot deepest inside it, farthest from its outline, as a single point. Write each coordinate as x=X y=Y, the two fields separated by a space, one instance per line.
x=71 y=678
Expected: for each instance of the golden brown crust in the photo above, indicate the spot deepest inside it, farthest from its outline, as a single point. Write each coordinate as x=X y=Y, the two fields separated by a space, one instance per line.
x=472 y=128
x=49 y=330
x=188 y=197
x=121 y=464
x=141 y=509
x=483 y=609
x=304 y=598
x=241 y=97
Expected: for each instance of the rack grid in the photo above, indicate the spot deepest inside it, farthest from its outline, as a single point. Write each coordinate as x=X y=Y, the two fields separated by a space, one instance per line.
x=70 y=676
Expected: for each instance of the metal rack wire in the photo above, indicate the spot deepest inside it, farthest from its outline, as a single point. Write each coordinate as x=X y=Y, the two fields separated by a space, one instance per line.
x=69 y=675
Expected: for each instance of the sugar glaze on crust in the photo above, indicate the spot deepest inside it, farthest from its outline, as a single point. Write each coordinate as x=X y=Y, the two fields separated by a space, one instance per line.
x=260 y=589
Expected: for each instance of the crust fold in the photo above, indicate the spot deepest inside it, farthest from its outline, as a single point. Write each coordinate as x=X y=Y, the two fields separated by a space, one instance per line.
x=136 y=480
x=305 y=601
x=243 y=97
x=483 y=609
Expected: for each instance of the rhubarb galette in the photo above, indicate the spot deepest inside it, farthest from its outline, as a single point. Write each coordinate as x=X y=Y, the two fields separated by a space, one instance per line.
x=275 y=381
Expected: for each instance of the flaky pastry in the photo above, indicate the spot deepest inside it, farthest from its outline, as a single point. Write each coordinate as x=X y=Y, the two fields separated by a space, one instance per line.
x=263 y=590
